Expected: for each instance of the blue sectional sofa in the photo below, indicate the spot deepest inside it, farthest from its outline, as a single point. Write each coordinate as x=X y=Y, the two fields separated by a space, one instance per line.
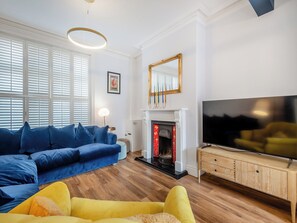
x=32 y=157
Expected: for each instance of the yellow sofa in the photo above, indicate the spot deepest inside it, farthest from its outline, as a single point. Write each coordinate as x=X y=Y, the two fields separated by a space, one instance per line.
x=279 y=138
x=81 y=210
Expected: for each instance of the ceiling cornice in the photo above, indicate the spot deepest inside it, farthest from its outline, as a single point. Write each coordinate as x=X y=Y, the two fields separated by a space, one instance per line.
x=23 y=31
x=202 y=15
x=194 y=16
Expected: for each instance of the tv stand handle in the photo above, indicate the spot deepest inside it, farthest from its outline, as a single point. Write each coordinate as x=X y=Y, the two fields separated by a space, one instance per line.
x=289 y=163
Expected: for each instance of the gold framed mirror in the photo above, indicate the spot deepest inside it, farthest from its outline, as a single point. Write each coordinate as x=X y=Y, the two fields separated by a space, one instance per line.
x=165 y=76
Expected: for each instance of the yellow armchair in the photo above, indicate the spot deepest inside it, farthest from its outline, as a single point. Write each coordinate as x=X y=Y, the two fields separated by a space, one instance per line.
x=81 y=210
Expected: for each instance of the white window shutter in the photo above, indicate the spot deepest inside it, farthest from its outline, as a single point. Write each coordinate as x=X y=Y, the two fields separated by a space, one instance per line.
x=81 y=89
x=61 y=113
x=38 y=69
x=11 y=83
x=38 y=112
x=81 y=112
x=38 y=85
x=11 y=113
x=54 y=89
x=61 y=73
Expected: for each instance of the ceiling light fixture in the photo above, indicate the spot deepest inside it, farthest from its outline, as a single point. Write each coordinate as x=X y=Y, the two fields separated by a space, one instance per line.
x=85 y=37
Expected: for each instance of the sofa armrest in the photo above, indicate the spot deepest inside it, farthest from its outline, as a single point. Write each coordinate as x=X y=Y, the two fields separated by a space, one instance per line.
x=57 y=192
x=177 y=203
x=111 y=138
x=101 y=209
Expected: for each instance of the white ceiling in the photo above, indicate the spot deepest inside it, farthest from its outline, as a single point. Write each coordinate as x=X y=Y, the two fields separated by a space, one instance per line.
x=127 y=24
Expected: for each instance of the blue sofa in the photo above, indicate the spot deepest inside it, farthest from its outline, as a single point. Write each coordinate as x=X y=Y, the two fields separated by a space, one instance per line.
x=32 y=157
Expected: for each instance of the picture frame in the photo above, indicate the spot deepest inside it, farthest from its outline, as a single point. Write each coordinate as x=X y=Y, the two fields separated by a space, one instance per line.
x=113 y=83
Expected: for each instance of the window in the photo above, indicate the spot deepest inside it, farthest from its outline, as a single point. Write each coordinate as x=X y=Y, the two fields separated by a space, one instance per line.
x=11 y=83
x=42 y=84
x=38 y=85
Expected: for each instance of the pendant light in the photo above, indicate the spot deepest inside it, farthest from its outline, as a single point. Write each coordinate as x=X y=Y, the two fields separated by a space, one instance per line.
x=85 y=37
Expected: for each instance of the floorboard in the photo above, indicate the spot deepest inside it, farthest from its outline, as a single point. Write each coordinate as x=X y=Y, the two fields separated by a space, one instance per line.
x=213 y=200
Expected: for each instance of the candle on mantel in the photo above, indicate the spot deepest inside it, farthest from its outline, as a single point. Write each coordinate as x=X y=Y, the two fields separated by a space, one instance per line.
x=165 y=94
x=162 y=95
x=158 y=94
x=154 y=95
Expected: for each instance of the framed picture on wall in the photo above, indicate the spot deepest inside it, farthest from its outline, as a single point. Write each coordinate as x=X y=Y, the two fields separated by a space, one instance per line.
x=113 y=82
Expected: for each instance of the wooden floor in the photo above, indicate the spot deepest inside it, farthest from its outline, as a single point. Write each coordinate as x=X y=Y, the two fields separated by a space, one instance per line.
x=213 y=200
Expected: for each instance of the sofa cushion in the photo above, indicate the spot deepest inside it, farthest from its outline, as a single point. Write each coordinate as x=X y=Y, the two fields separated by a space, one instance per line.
x=4 y=198
x=91 y=129
x=96 y=150
x=43 y=206
x=19 y=193
x=111 y=138
x=62 y=137
x=83 y=136
x=34 y=140
x=10 y=141
x=49 y=159
x=100 y=134
x=17 y=169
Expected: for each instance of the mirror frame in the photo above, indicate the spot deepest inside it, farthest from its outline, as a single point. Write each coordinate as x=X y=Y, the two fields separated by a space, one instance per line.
x=150 y=67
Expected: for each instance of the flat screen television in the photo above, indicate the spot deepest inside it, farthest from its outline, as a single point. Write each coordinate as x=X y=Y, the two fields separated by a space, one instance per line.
x=263 y=125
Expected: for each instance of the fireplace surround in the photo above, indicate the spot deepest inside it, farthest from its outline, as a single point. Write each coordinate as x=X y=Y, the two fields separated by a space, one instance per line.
x=166 y=126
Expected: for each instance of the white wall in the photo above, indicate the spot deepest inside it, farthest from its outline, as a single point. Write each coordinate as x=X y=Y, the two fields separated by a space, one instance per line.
x=182 y=41
x=250 y=56
x=118 y=104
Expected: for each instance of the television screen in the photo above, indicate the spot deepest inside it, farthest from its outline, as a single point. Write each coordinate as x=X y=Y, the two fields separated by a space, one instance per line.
x=264 y=125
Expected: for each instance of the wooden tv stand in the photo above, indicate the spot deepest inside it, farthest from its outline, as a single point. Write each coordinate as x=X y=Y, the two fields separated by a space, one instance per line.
x=264 y=173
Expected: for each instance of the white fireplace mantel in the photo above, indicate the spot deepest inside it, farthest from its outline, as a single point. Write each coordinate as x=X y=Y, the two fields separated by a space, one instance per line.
x=170 y=115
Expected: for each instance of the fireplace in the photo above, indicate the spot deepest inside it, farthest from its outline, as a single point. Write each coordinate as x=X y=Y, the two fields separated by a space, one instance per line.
x=165 y=141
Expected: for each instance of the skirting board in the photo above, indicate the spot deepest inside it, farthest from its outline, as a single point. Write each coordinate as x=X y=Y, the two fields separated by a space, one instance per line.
x=192 y=170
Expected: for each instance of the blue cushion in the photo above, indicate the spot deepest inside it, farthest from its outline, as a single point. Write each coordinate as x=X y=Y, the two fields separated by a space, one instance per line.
x=96 y=150
x=111 y=138
x=34 y=140
x=46 y=160
x=62 y=137
x=101 y=134
x=83 y=136
x=17 y=170
x=4 y=197
x=10 y=141
x=91 y=129
x=20 y=193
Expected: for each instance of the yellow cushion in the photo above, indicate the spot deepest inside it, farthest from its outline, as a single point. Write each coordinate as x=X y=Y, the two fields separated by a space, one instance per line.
x=279 y=134
x=43 y=206
x=154 y=218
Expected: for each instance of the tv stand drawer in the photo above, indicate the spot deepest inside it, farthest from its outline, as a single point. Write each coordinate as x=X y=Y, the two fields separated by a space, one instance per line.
x=218 y=160
x=219 y=171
